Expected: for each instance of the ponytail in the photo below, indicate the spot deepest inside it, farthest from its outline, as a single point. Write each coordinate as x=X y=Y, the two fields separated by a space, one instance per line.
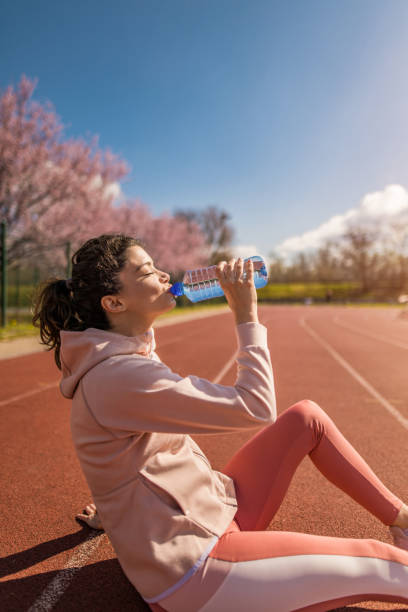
x=55 y=311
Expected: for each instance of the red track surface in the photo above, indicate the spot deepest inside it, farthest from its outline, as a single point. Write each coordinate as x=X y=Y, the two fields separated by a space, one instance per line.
x=43 y=488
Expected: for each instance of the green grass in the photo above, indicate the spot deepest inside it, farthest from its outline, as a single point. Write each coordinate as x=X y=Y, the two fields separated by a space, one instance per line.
x=300 y=291
x=23 y=298
x=17 y=329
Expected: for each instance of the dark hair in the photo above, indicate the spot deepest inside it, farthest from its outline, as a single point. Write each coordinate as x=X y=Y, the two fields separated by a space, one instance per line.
x=95 y=273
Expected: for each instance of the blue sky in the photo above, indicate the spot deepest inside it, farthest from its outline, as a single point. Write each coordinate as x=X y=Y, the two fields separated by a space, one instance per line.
x=285 y=114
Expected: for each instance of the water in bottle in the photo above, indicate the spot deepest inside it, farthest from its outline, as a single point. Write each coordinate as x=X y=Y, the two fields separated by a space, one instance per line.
x=202 y=284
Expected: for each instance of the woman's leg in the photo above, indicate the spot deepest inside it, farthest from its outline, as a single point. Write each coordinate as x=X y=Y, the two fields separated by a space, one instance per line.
x=299 y=571
x=263 y=468
x=292 y=571
x=285 y=571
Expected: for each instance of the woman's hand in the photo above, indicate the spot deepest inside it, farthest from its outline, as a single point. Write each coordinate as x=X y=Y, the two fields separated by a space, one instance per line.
x=240 y=293
x=90 y=517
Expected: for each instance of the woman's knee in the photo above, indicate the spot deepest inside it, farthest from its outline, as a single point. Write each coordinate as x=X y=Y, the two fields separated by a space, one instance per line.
x=307 y=413
x=306 y=408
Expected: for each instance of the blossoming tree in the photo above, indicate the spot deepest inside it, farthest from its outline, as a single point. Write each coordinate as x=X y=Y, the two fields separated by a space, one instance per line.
x=54 y=191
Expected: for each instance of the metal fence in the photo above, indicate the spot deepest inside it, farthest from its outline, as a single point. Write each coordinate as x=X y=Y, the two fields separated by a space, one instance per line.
x=20 y=278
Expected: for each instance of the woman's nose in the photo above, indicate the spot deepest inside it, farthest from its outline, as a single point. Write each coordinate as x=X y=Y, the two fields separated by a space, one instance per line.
x=165 y=277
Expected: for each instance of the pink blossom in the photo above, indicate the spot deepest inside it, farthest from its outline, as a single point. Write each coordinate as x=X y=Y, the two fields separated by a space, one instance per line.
x=54 y=191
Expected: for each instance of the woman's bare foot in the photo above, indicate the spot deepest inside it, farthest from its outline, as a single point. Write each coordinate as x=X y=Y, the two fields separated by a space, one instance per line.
x=91 y=517
x=402 y=518
x=399 y=528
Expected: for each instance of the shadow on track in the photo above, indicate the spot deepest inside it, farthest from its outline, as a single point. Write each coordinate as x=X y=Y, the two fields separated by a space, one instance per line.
x=26 y=558
x=98 y=587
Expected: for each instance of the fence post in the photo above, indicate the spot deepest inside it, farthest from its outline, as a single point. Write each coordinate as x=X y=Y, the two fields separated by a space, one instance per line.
x=68 y=254
x=3 y=274
x=17 y=294
x=36 y=276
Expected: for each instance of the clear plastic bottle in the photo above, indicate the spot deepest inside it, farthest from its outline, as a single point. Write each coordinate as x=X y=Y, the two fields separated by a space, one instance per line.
x=202 y=284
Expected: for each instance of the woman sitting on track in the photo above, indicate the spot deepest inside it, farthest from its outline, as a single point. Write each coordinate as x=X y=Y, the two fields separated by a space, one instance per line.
x=188 y=537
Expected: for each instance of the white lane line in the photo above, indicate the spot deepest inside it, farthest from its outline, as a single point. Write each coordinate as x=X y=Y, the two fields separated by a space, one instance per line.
x=363 y=382
x=225 y=369
x=55 y=589
x=29 y=393
x=369 y=334
x=231 y=361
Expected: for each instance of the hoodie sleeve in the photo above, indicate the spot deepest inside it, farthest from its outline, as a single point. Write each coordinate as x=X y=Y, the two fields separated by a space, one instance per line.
x=129 y=393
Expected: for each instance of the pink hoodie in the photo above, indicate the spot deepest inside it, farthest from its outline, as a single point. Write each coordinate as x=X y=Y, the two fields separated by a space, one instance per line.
x=162 y=505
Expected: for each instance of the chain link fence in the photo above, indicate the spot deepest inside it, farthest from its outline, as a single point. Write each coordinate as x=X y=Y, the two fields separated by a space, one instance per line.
x=21 y=277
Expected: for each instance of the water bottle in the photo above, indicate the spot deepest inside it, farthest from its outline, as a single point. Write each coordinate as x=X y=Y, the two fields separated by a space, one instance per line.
x=202 y=284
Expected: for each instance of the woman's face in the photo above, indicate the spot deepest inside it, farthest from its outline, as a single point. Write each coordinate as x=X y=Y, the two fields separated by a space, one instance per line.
x=144 y=293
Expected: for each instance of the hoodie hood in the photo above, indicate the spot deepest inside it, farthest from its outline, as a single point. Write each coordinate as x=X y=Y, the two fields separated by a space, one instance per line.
x=81 y=351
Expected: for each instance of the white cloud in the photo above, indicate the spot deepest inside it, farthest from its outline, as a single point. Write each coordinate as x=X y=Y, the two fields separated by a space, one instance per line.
x=378 y=209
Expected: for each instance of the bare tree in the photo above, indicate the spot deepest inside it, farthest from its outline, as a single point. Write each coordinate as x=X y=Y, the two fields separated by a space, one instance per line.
x=277 y=269
x=215 y=224
x=326 y=264
x=359 y=255
x=399 y=247
x=300 y=270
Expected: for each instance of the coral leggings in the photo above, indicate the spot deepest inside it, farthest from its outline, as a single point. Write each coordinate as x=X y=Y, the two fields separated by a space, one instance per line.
x=251 y=569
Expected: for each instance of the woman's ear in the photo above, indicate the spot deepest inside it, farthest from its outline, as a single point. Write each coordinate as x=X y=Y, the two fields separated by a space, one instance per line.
x=113 y=303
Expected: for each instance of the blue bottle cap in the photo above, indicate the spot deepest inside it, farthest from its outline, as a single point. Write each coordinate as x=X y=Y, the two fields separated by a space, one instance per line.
x=177 y=289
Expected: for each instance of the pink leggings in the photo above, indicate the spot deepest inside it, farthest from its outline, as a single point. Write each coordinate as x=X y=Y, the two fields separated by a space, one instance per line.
x=251 y=569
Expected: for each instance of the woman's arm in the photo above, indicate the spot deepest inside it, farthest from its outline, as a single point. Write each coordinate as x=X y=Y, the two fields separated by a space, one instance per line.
x=128 y=393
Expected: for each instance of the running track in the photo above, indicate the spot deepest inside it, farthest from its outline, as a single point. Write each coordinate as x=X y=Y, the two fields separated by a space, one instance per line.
x=352 y=361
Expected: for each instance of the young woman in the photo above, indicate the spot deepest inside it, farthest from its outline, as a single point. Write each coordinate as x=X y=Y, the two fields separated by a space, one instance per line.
x=189 y=537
